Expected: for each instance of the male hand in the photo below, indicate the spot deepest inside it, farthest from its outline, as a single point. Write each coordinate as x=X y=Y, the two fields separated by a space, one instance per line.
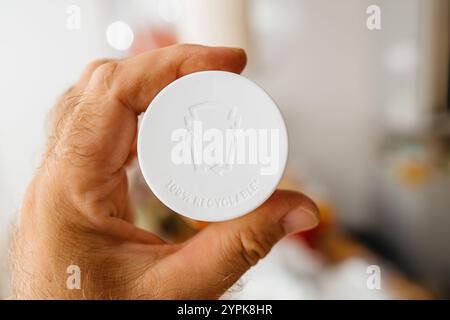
x=76 y=208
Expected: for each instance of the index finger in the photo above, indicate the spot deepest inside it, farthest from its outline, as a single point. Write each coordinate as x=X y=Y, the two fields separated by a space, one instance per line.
x=135 y=81
x=103 y=126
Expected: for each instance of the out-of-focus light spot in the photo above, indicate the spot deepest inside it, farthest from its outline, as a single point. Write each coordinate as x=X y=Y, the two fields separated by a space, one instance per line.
x=119 y=35
x=170 y=10
x=401 y=58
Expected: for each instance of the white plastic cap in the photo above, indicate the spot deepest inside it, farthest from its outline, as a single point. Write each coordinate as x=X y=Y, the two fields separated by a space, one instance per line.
x=212 y=146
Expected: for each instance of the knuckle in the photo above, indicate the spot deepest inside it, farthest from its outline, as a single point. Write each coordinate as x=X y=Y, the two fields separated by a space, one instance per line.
x=93 y=65
x=253 y=246
x=105 y=71
x=106 y=78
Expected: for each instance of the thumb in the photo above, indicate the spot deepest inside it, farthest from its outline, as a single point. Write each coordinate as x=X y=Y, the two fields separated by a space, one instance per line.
x=218 y=256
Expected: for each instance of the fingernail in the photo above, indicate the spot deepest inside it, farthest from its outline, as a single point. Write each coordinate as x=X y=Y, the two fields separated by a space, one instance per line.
x=300 y=219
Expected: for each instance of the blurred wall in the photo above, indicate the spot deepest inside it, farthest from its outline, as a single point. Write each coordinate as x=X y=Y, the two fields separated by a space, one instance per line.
x=318 y=68
x=340 y=85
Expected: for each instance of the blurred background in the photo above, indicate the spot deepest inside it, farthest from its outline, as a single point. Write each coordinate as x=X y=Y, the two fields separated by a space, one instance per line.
x=367 y=111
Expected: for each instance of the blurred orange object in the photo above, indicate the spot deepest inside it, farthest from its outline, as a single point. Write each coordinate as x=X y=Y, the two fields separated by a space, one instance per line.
x=412 y=172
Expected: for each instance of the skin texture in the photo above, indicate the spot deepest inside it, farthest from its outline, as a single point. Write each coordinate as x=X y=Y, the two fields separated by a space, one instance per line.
x=75 y=210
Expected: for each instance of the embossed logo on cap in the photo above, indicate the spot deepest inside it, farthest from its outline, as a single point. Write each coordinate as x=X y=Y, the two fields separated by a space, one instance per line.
x=219 y=143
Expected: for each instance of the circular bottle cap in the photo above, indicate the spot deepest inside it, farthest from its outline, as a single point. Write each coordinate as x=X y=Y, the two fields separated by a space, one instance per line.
x=212 y=146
